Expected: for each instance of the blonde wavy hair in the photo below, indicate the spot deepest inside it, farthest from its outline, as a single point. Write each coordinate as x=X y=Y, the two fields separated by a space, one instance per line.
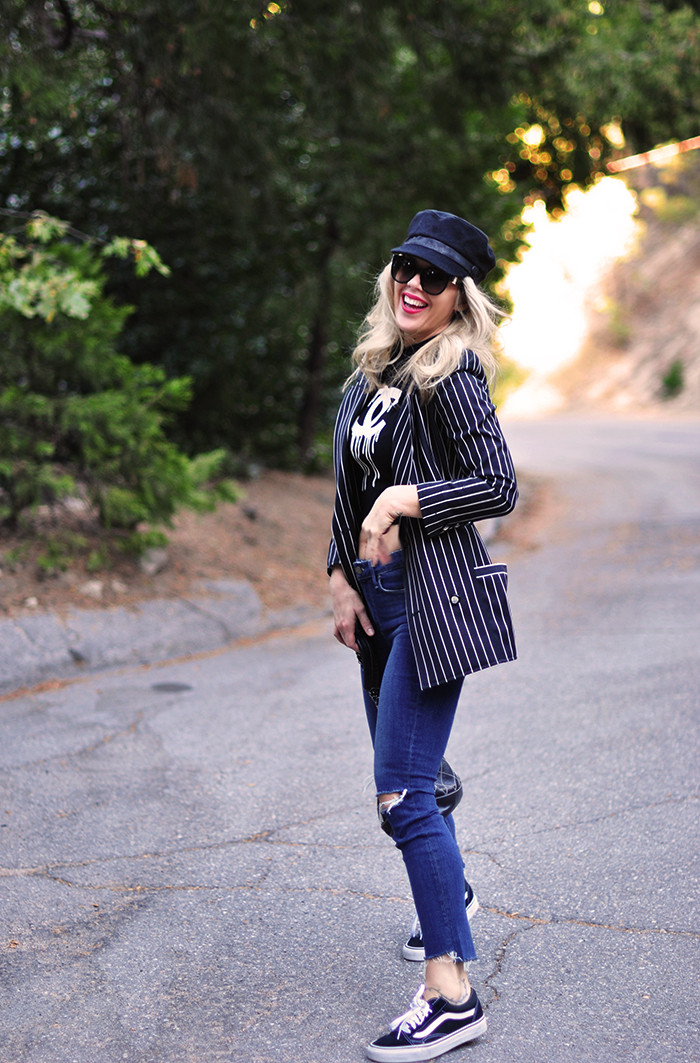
x=381 y=343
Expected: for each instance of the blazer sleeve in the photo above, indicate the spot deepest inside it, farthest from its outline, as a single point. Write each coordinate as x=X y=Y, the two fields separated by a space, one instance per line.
x=483 y=481
x=333 y=557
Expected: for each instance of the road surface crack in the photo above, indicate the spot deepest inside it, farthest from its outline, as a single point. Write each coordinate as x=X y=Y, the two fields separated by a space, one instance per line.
x=574 y=824
x=533 y=921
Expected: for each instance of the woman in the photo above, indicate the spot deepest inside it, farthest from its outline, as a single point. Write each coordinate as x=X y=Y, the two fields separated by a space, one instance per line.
x=419 y=456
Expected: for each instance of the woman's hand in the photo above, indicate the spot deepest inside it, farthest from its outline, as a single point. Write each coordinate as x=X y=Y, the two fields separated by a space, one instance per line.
x=379 y=536
x=348 y=607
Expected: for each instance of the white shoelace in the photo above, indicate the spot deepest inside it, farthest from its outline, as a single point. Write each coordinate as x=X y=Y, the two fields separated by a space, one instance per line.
x=415 y=929
x=416 y=1014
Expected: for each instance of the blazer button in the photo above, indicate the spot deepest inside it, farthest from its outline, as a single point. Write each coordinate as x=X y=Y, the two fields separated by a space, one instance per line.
x=455 y=599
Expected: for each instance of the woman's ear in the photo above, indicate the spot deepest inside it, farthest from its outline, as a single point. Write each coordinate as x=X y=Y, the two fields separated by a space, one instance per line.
x=463 y=296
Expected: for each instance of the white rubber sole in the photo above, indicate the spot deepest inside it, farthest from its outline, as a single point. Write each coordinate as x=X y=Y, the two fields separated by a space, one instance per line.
x=406 y=1054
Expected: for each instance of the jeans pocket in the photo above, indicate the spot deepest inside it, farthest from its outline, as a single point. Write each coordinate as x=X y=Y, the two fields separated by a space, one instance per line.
x=390 y=580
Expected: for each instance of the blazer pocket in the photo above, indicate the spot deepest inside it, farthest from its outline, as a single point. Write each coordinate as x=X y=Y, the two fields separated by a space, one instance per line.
x=487 y=571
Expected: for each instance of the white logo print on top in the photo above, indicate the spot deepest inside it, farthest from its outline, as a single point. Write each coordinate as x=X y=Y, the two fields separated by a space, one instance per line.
x=365 y=433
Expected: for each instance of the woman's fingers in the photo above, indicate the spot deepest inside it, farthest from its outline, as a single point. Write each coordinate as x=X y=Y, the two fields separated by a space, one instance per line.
x=365 y=621
x=379 y=553
x=345 y=626
x=345 y=633
x=376 y=547
x=376 y=525
x=348 y=608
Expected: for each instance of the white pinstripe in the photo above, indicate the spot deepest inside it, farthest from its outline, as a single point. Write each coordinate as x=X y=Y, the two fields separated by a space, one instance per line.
x=453 y=449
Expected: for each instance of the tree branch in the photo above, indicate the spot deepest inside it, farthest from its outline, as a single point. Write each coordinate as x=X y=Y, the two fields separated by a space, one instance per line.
x=69 y=24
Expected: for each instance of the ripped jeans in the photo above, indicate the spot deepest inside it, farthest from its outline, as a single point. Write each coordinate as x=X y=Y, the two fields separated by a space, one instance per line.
x=410 y=729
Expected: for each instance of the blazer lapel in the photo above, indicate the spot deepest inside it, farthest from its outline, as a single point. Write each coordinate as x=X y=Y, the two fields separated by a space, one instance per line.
x=403 y=463
x=347 y=504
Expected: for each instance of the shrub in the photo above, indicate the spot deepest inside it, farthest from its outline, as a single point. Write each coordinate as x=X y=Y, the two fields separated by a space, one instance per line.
x=673 y=380
x=74 y=413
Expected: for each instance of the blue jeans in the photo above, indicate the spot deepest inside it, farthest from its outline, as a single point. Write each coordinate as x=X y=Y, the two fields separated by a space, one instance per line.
x=410 y=729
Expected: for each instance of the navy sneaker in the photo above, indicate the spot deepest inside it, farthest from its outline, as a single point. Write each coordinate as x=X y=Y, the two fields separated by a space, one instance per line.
x=429 y=1028
x=413 y=949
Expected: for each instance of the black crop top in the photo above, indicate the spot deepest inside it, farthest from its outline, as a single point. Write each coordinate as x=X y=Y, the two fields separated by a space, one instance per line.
x=372 y=436
x=371 y=443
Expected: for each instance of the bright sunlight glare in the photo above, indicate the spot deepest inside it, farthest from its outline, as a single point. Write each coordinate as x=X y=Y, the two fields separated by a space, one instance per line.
x=534 y=136
x=557 y=281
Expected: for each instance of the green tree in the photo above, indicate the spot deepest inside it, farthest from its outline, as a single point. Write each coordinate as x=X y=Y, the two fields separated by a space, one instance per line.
x=630 y=80
x=271 y=154
x=274 y=152
x=75 y=414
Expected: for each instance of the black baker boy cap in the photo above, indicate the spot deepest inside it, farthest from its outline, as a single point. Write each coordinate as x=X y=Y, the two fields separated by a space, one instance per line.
x=450 y=243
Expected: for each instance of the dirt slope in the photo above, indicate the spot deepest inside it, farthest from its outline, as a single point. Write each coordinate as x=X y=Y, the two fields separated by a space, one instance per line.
x=643 y=350
x=276 y=537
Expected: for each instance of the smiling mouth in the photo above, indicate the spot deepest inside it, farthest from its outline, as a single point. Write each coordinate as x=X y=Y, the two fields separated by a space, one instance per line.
x=412 y=305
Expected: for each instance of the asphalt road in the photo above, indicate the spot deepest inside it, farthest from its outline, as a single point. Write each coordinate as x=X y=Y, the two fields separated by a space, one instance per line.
x=191 y=867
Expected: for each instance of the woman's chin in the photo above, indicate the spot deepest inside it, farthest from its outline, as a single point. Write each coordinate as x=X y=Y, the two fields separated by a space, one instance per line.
x=412 y=330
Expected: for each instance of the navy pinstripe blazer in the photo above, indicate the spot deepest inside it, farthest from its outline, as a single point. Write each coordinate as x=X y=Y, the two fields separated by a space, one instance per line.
x=452 y=448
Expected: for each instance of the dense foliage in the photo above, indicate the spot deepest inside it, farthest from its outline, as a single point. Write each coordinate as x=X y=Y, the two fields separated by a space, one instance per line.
x=274 y=152
x=75 y=415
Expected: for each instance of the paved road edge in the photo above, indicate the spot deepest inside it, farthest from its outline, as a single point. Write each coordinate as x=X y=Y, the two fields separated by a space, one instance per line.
x=35 y=647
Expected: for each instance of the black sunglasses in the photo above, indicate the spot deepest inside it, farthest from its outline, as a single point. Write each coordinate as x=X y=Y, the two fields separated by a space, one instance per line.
x=433 y=281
